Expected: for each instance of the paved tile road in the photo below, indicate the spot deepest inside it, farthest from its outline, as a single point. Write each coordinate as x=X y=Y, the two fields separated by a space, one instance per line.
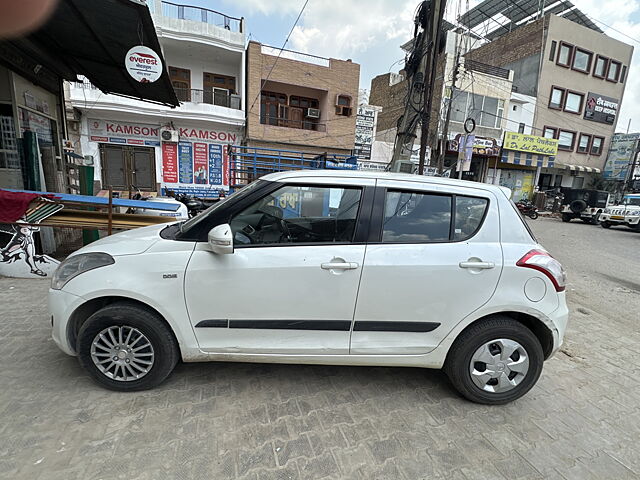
x=219 y=421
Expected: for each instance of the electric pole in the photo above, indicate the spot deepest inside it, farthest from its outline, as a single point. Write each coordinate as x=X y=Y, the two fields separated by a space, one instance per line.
x=434 y=32
x=445 y=132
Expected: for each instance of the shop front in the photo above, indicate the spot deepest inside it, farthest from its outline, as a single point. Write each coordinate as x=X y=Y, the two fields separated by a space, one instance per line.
x=522 y=159
x=160 y=157
x=475 y=159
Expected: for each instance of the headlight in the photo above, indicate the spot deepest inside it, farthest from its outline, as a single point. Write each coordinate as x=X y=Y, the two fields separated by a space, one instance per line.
x=636 y=212
x=607 y=210
x=74 y=266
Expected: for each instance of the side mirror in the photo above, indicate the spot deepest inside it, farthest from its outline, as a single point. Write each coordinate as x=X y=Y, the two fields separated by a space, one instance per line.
x=221 y=239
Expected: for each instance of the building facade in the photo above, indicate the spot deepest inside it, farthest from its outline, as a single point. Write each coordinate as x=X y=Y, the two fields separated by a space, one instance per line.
x=300 y=102
x=155 y=148
x=578 y=76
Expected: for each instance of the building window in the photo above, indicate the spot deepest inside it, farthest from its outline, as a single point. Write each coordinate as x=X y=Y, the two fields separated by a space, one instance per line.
x=217 y=89
x=600 y=67
x=573 y=102
x=343 y=106
x=614 y=71
x=596 y=145
x=486 y=111
x=181 y=81
x=582 y=60
x=521 y=128
x=273 y=108
x=549 y=132
x=557 y=98
x=623 y=73
x=566 y=140
x=584 y=143
x=564 y=54
x=552 y=50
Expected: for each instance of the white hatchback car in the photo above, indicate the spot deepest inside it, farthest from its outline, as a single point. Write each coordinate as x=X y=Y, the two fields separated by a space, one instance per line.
x=348 y=268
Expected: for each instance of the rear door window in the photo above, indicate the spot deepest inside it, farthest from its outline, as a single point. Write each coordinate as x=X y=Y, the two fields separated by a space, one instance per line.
x=414 y=217
x=469 y=214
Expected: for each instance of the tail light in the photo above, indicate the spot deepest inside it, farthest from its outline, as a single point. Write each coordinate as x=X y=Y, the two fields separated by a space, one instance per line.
x=545 y=263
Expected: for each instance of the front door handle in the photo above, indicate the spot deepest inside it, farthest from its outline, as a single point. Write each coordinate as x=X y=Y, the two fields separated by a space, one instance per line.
x=339 y=266
x=480 y=265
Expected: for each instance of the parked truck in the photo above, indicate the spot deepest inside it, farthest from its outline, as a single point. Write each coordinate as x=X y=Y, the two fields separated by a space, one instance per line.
x=585 y=204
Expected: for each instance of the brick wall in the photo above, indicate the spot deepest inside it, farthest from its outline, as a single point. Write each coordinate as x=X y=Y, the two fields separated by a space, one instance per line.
x=390 y=97
x=520 y=43
x=340 y=77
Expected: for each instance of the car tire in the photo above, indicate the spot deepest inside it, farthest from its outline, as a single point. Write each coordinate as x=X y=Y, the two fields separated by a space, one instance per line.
x=477 y=343
x=605 y=224
x=566 y=217
x=138 y=337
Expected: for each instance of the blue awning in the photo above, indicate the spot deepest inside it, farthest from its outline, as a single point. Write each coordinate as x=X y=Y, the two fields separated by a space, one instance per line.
x=527 y=159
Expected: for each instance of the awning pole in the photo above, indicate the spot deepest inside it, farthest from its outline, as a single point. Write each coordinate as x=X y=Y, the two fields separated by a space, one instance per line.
x=110 y=211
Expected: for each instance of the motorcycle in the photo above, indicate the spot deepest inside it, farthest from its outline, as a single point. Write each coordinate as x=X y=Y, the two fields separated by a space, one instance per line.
x=194 y=205
x=180 y=214
x=527 y=208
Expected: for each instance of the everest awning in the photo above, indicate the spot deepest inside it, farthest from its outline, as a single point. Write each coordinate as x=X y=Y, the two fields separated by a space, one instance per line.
x=580 y=168
x=527 y=159
x=92 y=38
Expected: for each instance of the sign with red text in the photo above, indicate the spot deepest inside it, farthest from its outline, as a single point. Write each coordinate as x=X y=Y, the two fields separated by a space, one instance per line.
x=111 y=131
x=169 y=163
x=143 y=64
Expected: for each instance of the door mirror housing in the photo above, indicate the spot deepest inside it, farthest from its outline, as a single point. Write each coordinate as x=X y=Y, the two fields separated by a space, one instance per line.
x=221 y=239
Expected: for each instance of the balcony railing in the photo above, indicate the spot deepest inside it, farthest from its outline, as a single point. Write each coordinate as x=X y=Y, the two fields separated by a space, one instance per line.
x=484 y=68
x=212 y=97
x=286 y=122
x=204 y=15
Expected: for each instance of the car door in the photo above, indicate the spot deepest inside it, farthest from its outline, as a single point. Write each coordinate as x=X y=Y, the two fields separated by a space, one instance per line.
x=434 y=257
x=291 y=284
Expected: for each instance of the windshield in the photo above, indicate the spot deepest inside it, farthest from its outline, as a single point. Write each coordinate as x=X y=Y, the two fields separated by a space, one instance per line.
x=635 y=201
x=235 y=196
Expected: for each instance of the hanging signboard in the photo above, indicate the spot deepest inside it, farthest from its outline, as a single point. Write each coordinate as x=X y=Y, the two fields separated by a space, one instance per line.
x=485 y=146
x=143 y=64
x=530 y=143
x=623 y=147
x=599 y=108
x=365 y=121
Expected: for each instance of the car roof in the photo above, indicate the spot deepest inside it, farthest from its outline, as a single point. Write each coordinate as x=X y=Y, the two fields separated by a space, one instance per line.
x=356 y=174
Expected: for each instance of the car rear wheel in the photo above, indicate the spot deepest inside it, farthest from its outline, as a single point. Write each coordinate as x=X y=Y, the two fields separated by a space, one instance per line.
x=126 y=348
x=495 y=361
x=566 y=217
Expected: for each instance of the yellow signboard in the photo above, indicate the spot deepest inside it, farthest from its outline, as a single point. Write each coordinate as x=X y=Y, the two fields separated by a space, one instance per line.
x=530 y=143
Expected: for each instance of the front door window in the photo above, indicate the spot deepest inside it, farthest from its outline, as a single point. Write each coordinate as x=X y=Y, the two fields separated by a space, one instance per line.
x=299 y=214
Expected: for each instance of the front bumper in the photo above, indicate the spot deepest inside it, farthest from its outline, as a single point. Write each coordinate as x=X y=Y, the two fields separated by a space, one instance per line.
x=630 y=220
x=61 y=305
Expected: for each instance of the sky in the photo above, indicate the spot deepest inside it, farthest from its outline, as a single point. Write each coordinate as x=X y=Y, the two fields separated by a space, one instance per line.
x=370 y=32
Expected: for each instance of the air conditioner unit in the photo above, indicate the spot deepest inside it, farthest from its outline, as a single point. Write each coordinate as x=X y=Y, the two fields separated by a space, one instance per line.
x=343 y=110
x=168 y=134
x=313 y=113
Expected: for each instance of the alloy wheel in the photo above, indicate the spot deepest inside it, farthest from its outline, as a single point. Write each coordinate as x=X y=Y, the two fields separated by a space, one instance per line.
x=122 y=353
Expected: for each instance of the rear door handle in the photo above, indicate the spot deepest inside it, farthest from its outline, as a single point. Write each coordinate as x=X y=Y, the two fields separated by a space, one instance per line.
x=339 y=266
x=482 y=265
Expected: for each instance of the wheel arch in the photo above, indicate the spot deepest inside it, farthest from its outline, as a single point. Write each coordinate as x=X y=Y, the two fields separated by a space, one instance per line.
x=84 y=311
x=542 y=332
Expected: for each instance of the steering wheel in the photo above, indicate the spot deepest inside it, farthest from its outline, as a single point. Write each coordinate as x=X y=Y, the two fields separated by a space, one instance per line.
x=280 y=222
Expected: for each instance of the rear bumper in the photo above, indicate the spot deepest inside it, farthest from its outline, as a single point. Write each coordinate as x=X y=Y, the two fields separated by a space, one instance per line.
x=560 y=319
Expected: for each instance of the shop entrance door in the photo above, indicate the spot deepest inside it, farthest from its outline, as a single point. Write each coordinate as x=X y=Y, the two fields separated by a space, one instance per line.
x=126 y=167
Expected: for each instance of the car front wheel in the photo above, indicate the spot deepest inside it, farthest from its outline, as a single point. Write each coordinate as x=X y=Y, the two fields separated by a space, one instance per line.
x=495 y=361
x=126 y=348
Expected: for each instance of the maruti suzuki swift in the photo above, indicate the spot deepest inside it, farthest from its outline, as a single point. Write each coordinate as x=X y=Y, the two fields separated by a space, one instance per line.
x=322 y=267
